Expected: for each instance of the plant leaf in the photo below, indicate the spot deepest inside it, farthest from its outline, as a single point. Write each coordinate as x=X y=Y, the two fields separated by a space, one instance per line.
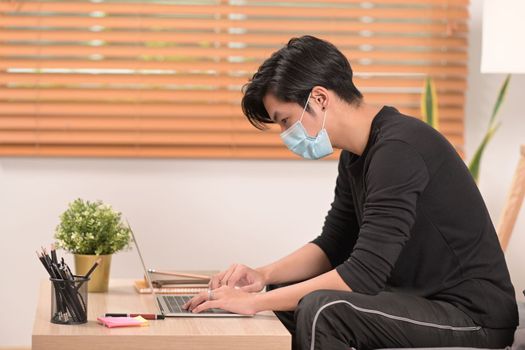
x=429 y=110
x=475 y=163
x=499 y=101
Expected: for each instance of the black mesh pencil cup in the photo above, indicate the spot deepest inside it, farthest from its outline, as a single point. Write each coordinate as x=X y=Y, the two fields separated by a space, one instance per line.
x=69 y=300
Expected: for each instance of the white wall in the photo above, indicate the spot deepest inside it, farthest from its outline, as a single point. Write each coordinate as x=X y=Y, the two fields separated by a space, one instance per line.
x=200 y=214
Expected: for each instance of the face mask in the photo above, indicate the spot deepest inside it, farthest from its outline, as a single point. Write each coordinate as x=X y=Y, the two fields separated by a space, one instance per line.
x=299 y=142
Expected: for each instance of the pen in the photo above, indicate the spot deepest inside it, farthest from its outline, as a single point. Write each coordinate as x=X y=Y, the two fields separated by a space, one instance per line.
x=145 y=316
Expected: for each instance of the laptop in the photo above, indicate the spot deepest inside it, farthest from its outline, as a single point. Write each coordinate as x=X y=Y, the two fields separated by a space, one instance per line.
x=170 y=305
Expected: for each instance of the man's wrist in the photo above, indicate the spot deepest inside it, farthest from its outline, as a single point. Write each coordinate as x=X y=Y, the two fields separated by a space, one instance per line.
x=260 y=301
x=265 y=272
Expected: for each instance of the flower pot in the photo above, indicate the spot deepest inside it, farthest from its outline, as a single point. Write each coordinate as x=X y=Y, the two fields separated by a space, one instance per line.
x=100 y=277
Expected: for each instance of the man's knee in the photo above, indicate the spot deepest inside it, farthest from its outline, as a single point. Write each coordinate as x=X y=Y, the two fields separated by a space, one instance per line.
x=305 y=311
x=318 y=319
x=312 y=305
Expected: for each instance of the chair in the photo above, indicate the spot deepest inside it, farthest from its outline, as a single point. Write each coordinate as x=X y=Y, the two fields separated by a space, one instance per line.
x=513 y=203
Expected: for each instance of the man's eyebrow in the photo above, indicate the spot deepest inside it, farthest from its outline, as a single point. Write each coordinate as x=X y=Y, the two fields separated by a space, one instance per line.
x=275 y=116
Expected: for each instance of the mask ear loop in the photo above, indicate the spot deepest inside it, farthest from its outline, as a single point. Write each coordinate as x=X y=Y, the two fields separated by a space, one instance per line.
x=306 y=105
x=324 y=118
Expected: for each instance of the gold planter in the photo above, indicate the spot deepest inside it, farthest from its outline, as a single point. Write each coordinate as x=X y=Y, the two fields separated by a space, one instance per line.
x=99 y=279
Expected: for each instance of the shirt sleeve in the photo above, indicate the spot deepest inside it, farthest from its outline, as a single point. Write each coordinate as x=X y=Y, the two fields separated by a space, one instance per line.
x=395 y=178
x=340 y=227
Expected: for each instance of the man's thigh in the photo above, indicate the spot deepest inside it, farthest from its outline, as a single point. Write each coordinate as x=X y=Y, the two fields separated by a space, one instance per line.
x=338 y=320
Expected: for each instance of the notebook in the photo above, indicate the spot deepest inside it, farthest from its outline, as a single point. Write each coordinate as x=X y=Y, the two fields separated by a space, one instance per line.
x=171 y=305
x=142 y=287
x=112 y=322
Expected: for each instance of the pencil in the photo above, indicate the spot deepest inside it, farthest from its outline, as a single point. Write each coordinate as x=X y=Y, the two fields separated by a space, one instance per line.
x=86 y=276
x=93 y=268
x=53 y=254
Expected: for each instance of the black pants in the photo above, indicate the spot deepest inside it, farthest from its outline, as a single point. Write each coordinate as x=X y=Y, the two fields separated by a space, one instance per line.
x=328 y=319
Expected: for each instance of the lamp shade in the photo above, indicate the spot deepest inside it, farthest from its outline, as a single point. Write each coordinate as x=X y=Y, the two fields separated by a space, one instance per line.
x=503 y=38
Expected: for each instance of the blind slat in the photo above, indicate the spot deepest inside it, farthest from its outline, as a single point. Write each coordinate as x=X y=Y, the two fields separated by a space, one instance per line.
x=72 y=137
x=377 y=83
x=151 y=151
x=91 y=123
x=216 y=80
x=415 y=28
x=189 y=53
x=172 y=97
x=445 y=113
x=267 y=39
x=159 y=109
x=222 y=68
x=275 y=12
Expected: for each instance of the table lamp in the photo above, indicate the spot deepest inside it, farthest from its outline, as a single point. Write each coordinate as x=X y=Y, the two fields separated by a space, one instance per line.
x=503 y=38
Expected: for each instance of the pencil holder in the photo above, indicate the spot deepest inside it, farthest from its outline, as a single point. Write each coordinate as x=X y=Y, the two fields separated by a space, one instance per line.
x=69 y=300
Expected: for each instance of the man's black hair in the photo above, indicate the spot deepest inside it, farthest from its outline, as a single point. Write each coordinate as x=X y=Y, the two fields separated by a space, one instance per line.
x=291 y=72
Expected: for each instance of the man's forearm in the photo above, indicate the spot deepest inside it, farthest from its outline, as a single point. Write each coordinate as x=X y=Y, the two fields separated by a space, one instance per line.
x=306 y=262
x=287 y=298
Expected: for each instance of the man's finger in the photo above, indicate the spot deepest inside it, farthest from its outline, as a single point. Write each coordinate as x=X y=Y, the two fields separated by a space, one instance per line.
x=236 y=276
x=211 y=304
x=215 y=279
x=189 y=304
x=228 y=274
x=197 y=300
x=215 y=282
x=221 y=274
x=250 y=288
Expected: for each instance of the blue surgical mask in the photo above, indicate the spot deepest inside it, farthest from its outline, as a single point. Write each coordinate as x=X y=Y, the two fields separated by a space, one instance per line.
x=299 y=142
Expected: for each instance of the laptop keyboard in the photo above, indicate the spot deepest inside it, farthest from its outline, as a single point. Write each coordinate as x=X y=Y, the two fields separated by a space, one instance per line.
x=175 y=302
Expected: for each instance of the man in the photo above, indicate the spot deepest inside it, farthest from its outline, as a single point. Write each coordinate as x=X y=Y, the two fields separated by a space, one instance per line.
x=408 y=255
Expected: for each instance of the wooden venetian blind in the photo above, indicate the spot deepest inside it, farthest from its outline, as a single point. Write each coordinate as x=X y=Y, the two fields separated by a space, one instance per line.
x=162 y=78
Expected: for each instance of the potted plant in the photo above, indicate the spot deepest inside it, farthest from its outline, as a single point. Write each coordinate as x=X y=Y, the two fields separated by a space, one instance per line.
x=92 y=230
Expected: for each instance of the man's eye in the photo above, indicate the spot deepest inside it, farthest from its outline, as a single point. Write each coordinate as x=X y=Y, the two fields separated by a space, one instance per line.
x=284 y=121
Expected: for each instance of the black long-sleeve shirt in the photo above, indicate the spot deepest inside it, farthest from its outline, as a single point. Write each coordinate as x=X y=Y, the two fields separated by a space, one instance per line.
x=408 y=217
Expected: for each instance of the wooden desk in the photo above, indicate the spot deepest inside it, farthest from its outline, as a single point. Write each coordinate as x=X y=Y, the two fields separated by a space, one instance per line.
x=264 y=331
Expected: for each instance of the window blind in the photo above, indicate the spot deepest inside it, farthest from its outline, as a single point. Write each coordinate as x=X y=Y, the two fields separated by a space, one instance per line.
x=126 y=78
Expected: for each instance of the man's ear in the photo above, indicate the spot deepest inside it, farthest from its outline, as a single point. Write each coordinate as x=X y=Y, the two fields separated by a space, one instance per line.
x=321 y=97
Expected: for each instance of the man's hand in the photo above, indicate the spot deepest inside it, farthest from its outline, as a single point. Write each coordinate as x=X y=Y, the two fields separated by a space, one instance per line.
x=242 y=276
x=226 y=298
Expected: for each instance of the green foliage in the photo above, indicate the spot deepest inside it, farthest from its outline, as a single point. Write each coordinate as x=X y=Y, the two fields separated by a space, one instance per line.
x=493 y=126
x=429 y=104
x=475 y=163
x=91 y=228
